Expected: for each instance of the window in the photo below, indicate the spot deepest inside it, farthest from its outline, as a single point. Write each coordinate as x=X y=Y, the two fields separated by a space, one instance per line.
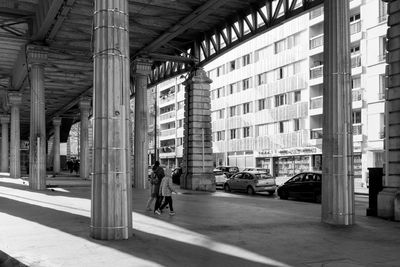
x=356 y=116
x=221 y=114
x=355 y=49
x=232 y=111
x=296 y=124
x=262 y=129
x=280 y=73
x=232 y=65
x=246 y=60
x=220 y=71
x=232 y=88
x=180 y=123
x=246 y=83
x=246 y=108
x=262 y=78
x=233 y=133
x=297 y=96
x=355 y=17
x=181 y=105
x=382 y=86
x=281 y=127
x=246 y=132
x=220 y=135
x=261 y=104
x=355 y=82
x=179 y=141
x=279 y=46
x=280 y=100
x=382 y=48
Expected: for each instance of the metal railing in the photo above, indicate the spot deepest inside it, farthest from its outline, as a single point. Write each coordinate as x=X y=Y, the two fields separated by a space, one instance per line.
x=357 y=129
x=316 y=133
x=316 y=72
x=355 y=27
x=316 y=102
x=168 y=115
x=356 y=61
x=357 y=95
x=168 y=132
x=317 y=41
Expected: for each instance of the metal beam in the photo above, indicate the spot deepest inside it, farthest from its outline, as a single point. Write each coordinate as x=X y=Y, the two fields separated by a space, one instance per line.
x=183 y=25
x=46 y=14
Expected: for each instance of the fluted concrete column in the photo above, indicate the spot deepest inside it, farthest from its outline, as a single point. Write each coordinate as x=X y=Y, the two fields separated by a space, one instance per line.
x=337 y=142
x=197 y=144
x=37 y=57
x=56 y=145
x=389 y=197
x=15 y=100
x=84 y=142
x=111 y=216
x=4 y=120
x=142 y=69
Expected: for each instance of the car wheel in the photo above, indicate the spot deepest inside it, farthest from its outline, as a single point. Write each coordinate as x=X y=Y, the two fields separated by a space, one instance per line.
x=227 y=188
x=317 y=197
x=283 y=195
x=250 y=190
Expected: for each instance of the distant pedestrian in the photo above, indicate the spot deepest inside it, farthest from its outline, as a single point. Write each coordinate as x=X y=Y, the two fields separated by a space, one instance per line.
x=166 y=189
x=70 y=165
x=154 y=188
x=159 y=172
x=76 y=166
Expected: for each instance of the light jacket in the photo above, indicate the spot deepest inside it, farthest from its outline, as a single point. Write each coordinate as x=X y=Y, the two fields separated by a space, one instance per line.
x=166 y=187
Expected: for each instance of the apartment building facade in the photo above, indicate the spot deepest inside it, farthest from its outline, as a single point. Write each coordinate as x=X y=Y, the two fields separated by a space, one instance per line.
x=267 y=95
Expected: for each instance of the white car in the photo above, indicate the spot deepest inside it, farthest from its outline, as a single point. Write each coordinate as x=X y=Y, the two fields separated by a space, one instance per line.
x=220 y=178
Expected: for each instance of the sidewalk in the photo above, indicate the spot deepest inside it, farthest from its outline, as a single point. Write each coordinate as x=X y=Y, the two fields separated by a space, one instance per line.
x=51 y=228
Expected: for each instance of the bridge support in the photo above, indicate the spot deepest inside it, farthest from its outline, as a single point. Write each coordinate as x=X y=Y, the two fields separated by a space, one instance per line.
x=111 y=217
x=5 y=120
x=56 y=145
x=197 y=147
x=15 y=100
x=390 y=195
x=37 y=57
x=84 y=135
x=142 y=70
x=337 y=143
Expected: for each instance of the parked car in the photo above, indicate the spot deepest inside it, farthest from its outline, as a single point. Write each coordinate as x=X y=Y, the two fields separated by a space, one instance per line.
x=305 y=185
x=220 y=178
x=228 y=170
x=256 y=169
x=251 y=182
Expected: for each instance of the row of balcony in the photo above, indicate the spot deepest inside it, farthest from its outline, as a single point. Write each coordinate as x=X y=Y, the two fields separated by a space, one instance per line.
x=318 y=71
x=357 y=130
x=317 y=102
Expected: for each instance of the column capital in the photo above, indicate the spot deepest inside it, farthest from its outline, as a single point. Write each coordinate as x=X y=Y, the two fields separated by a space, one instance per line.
x=36 y=54
x=197 y=76
x=4 y=118
x=85 y=103
x=15 y=98
x=142 y=66
x=57 y=121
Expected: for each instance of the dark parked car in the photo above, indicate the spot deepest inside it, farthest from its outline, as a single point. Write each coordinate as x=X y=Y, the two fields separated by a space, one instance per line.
x=251 y=182
x=228 y=170
x=305 y=185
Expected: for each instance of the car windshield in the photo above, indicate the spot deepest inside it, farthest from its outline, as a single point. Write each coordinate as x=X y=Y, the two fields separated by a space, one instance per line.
x=261 y=176
x=218 y=172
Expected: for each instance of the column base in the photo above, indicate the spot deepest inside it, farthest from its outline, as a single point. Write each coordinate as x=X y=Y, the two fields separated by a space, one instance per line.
x=200 y=182
x=109 y=233
x=386 y=203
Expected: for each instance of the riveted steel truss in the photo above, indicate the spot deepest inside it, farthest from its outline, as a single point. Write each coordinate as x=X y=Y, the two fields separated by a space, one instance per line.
x=243 y=26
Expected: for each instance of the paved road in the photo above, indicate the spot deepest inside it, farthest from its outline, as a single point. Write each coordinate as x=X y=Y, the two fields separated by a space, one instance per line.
x=219 y=229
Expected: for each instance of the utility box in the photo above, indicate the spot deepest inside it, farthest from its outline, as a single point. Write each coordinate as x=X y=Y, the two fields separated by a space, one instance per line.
x=375 y=186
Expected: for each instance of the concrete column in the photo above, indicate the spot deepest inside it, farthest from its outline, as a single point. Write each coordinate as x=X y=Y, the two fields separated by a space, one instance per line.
x=56 y=145
x=142 y=70
x=391 y=181
x=15 y=100
x=37 y=57
x=197 y=144
x=337 y=142
x=111 y=217
x=5 y=120
x=84 y=153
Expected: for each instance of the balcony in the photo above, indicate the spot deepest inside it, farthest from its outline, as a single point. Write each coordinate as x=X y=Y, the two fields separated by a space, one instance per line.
x=317 y=41
x=382 y=58
x=167 y=116
x=317 y=72
x=167 y=98
x=168 y=132
x=382 y=18
x=355 y=61
x=357 y=95
x=316 y=12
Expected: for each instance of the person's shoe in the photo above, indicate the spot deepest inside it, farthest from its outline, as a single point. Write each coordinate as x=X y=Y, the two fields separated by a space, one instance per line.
x=148 y=209
x=172 y=213
x=158 y=212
